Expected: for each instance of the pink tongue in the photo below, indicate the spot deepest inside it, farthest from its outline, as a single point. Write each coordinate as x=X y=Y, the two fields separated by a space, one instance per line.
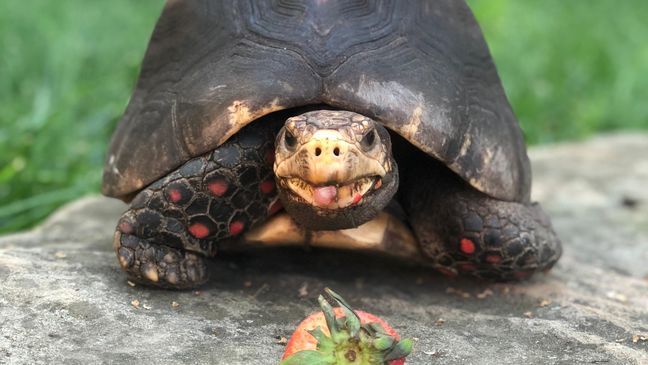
x=325 y=195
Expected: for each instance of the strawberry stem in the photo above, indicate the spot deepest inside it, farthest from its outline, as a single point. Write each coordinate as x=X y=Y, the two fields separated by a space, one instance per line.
x=350 y=341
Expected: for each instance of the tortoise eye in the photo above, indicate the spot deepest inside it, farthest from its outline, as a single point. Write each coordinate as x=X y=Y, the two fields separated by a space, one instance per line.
x=290 y=140
x=368 y=140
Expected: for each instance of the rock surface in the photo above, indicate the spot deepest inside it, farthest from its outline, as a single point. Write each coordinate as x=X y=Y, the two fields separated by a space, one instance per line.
x=63 y=298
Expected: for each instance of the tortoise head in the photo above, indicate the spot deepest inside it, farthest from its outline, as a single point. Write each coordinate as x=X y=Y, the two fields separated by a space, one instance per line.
x=334 y=169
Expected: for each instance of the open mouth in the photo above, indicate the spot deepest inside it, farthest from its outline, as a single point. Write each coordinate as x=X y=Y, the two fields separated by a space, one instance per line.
x=334 y=196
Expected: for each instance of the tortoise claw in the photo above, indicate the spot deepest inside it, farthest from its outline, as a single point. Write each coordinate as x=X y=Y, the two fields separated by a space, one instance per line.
x=159 y=265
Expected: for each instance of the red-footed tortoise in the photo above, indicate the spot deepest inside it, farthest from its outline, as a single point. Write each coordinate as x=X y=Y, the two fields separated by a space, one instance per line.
x=316 y=117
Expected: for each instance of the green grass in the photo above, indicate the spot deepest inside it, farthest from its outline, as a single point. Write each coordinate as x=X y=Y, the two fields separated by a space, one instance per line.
x=570 y=68
x=67 y=67
x=66 y=71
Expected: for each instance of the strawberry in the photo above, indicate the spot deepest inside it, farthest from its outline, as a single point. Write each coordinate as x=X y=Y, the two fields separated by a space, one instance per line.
x=341 y=336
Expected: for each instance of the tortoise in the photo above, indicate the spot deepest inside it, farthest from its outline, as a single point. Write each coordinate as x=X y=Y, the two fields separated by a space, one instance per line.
x=379 y=125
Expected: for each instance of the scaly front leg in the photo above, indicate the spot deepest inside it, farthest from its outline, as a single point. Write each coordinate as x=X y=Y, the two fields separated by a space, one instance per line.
x=462 y=230
x=177 y=221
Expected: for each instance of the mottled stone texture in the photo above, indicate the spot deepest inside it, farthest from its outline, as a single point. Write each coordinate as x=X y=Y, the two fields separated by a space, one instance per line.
x=63 y=298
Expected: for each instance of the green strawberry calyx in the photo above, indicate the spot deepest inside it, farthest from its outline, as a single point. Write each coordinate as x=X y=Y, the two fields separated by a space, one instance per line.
x=350 y=341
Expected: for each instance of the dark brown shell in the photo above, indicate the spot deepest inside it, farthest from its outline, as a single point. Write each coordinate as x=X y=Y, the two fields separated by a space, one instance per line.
x=422 y=68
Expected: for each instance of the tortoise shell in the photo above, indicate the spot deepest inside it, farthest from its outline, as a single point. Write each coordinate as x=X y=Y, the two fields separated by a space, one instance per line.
x=421 y=68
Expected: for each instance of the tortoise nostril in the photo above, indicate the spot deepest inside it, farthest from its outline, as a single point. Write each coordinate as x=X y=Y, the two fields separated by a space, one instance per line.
x=318 y=151
x=336 y=151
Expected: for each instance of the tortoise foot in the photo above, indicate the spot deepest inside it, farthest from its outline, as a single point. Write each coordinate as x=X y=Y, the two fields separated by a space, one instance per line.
x=181 y=218
x=492 y=239
x=463 y=231
x=158 y=265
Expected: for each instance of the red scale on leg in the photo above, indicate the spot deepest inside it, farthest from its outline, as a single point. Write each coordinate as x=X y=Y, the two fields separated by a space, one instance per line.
x=446 y=271
x=217 y=187
x=467 y=266
x=493 y=259
x=467 y=246
x=174 y=195
x=275 y=207
x=236 y=228
x=125 y=227
x=267 y=186
x=521 y=275
x=270 y=156
x=199 y=230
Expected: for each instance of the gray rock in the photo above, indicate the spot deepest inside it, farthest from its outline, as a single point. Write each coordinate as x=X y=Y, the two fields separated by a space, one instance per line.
x=63 y=298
